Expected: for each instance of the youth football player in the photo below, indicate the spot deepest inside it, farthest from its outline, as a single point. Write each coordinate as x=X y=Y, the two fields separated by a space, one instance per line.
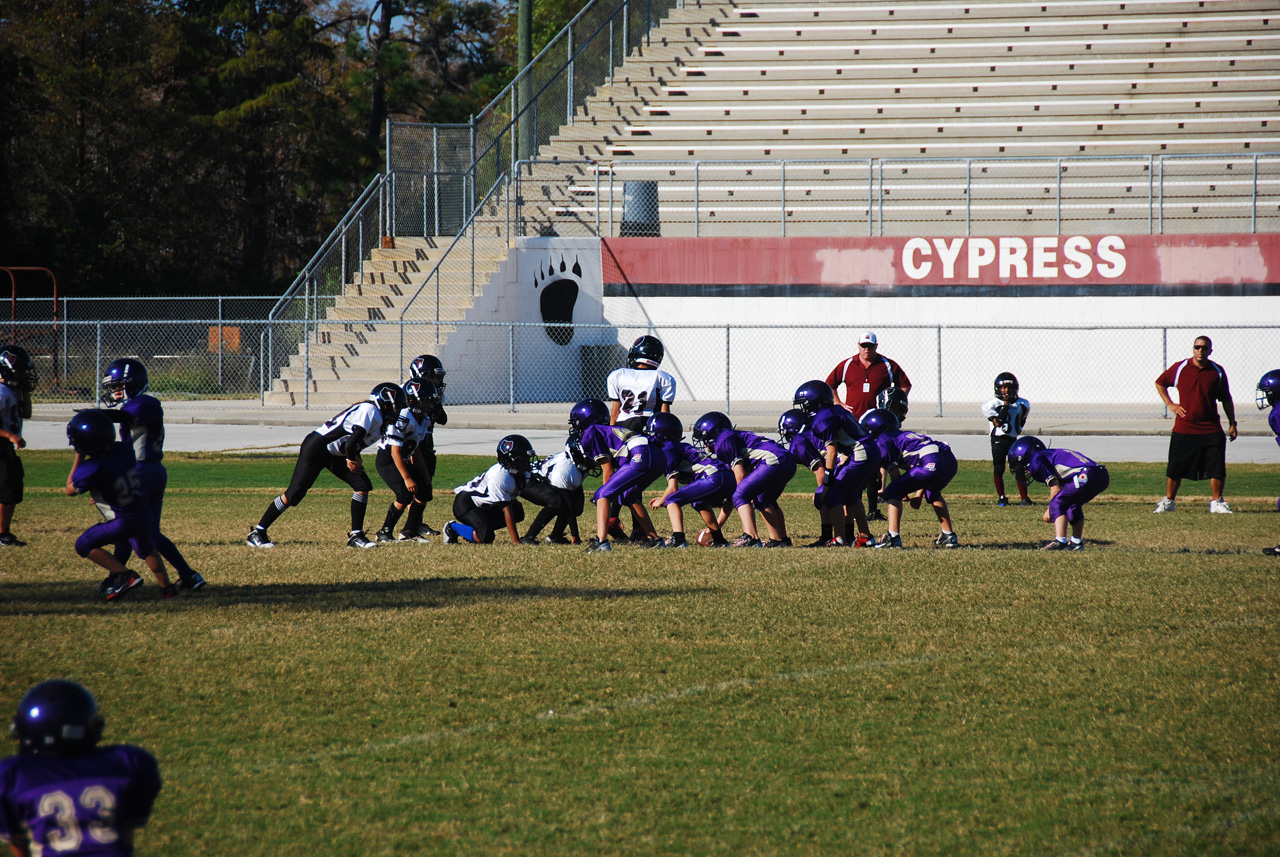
x=1007 y=412
x=693 y=479
x=628 y=466
x=141 y=419
x=851 y=461
x=336 y=446
x=399 y=466
x=927 y=466
x=1267 y=396
x=761 y=469
x=17 y=379
x=489 y=502
x=555 y=484
x=427 y=367
x=1073 y=480
x=63 y=793
x=105 y=469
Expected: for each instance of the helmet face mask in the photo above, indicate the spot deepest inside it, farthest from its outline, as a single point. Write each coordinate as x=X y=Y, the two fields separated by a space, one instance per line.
x=581 y=460
x=57 y=717
x=1006 y=380
x=390 y=399
x=419 y=395
x=17 y=369
x=813 y=396
x=646 y=353
x=124 y=379
x=1268 y=390
x=1020 y=454
x=893 y=399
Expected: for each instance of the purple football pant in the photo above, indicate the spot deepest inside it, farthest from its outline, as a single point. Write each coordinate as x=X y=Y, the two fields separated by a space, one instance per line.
x=134 y=529
x=629 y=481
x=933 y=473
x=765 y=484
x=1086 y=485
x=709 y=492
x=849 y=481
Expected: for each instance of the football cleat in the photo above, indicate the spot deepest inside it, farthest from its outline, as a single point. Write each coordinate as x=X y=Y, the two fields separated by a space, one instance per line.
x=776 y=543
x=947 y=540
x=9 y=540
x=428 y=530
x=1275 y=551
x=888 y=541
x=1055 y=545
x=1075 y=546
x=876 y=515
x=169 y=593
x=863 y=541
x=357 y=539
x=107 y=582
x=598 y=546
x=384 y=536
x=1165 y=505
x=1025 y=503
x=450 y=537
x=746 y=541
x=125 y=583
x=419 y=536
x=1003 y=501
x=1219 y=507
x=529 y=540
x=614 y=530
x=193 y=582
x=258 y=539
x=556 y=540
x=837 y=542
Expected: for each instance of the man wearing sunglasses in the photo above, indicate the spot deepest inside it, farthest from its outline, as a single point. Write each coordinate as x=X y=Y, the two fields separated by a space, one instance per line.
x=1198 y=446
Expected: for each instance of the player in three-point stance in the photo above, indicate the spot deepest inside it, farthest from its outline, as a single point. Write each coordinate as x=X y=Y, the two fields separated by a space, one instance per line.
x=762 y=469
x=105 y=469
x=489 y=502
x=1073 y=480
x=1268 y=395
x=555 y=484
x=141 y=419
x=336 y=446
x=400 y=467
x=63 y=793
x=693 y=479
x=1007 y=413
x=930 y=466
x=851 y=461
x=17 y=379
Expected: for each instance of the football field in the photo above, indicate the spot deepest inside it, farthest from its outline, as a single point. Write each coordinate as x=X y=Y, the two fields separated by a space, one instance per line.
x=413 y=699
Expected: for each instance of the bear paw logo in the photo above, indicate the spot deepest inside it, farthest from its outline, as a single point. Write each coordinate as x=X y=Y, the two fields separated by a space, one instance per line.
x=557 y=285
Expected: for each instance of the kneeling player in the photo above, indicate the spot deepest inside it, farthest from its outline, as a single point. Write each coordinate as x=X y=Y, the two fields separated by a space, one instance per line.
x=1073 y=480
x=488 y=503
x=106 y=470
x=930 y=466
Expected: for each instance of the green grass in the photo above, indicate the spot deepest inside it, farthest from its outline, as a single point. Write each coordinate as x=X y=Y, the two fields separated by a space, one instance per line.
x=502 y=700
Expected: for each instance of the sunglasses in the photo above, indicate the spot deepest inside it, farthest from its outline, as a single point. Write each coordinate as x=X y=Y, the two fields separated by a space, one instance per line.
x=1202 y=348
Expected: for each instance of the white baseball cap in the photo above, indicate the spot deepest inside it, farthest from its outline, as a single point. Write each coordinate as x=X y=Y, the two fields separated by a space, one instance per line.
x=868 y=338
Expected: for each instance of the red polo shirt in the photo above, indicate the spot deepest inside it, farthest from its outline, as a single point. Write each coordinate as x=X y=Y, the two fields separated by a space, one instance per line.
x=862 y=384
x=1199 y=391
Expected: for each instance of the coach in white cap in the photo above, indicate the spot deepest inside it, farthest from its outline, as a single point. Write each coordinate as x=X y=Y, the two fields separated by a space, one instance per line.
x=865 y=374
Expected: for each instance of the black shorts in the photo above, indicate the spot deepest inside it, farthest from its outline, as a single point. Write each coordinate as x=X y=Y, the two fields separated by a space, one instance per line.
x=1000 y=445
x=1197 y=456
x=635 y=424
x=314 y=458
x=559 y=500
x=386 y=467
x=485 y=519
x=11 y=475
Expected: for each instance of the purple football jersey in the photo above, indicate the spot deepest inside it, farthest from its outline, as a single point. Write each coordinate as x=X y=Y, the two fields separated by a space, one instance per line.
x=113 y=482
x=749 y=449
x=1062 y=465
x=147 y=433
x=808 y=450
x=695 y=464
x=1273 y=420
x=611 y=443
x=78 y=805
x=906 y=448
x=838 y=426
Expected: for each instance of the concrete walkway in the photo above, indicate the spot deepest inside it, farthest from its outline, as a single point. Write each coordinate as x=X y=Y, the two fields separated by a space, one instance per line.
x=215 y=426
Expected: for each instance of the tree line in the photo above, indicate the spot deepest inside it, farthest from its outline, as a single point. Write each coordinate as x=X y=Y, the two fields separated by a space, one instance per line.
x=208 y=146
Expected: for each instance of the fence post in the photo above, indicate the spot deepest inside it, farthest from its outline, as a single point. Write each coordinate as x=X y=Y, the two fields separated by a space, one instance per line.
x=727 y=362
x=1164 y=355
x=65 y=341
x=262 y=374
x=939 y=370
x=219 y=345
x=511 y=365
x=306 y=349
x=97 y=368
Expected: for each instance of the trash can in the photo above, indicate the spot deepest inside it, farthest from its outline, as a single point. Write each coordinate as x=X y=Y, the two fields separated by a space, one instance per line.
x=640 y=210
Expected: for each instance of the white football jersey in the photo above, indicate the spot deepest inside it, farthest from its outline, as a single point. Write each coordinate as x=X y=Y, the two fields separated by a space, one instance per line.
x=495 y=485
x=1017 y=416
x=640 y=392
x=560 y=471
x=407 y=432
x=336 y=430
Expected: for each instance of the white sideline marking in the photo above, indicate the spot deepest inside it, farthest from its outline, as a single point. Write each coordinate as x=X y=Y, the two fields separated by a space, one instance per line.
x=676 y=695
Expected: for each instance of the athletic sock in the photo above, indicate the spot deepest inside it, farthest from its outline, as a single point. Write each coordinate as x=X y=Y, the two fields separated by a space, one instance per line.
x=464 y=531
x=413 y=520
x=359 y=504
x=393 y=515
x=275 y=510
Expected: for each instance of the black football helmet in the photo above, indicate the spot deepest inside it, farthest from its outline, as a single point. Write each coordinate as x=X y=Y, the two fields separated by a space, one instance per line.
x=57 y=717
x=17 y=369
x=1006 y=379
x=791 y=423
x=124 y=379
x=664 y=426
x=1268 y=389
x=813 y=396
x=429 y=367
x=587 y=413
x=515 y=453
x=390 y=399
x=877 y=421
x=709 y=427
x=91 y=432
x=1020 y=455
x=581 y=460
x=646 y=353
x=419 y=395
x=893 y=399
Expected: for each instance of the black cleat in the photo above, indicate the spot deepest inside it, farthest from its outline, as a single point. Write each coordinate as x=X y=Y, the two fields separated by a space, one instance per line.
x=357 y=539
x=192 y=583
x=258 y=539
x=125 y=583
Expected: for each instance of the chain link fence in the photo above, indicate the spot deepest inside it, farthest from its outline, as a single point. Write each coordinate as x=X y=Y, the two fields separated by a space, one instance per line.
x=1108 y=372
